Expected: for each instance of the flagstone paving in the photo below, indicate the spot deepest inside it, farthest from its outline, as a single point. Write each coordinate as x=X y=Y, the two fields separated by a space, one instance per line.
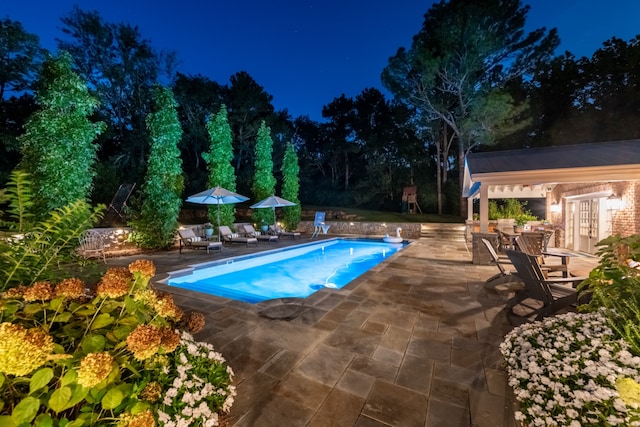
x=414 y=342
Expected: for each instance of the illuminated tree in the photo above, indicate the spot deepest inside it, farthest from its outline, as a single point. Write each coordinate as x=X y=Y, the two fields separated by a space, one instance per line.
x=291 y=187
x=163 y=185
x=219 y=158
x=58 y=149
x=264 y=182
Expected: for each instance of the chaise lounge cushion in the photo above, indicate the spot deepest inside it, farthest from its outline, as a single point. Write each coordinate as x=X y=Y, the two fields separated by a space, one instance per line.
x=251 y=232
x=228 y=236
x=189 y=239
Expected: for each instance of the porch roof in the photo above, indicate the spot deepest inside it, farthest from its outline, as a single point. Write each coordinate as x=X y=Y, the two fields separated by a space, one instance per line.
x=539 y=169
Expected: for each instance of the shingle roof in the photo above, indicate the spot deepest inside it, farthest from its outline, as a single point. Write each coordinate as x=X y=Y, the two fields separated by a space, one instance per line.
x=610 y=153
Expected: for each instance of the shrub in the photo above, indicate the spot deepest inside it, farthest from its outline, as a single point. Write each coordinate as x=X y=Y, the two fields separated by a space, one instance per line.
x=615 y=284
x=43 y=244
x=113 y=356
x=510 y=208
x=572 y=370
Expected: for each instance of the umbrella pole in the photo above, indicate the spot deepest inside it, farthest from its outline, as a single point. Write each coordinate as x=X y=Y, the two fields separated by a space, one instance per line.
x=219 y=221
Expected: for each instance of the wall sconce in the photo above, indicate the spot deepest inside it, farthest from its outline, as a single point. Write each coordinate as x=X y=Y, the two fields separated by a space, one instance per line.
x=614 y=203
x=556 y=207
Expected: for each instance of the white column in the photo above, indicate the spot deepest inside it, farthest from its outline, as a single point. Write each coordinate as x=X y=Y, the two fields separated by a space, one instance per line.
x=469 y=208
x=484 y=208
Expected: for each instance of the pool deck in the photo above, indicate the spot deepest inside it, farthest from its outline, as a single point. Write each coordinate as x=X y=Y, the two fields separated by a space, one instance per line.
x=413 y=342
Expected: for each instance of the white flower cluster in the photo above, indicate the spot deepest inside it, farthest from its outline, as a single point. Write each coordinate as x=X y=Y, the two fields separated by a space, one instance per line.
x=563 y=371
x=187 y=401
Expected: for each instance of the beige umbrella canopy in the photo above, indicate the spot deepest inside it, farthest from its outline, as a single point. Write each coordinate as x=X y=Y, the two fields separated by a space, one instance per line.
x=272 y=202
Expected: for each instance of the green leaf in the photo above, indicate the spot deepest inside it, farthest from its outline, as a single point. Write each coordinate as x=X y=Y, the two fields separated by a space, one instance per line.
x=112 y=399
x=77 y=395
x=76 y=423
x=43 y=420
x=70 y=377
x=121 y=332
x=59 y=399
x=26 y=410
x=2 y=378
x=87 y=311
x=6 y=421
x=39 y=379
x=63 y=317
x=31 y=309
x=101 y=321
x=130 y=304
x=93 y=343
x=56 y=303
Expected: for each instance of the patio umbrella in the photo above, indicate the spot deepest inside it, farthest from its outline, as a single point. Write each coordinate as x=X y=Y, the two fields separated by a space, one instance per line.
x=272 y=202
x=216 y=196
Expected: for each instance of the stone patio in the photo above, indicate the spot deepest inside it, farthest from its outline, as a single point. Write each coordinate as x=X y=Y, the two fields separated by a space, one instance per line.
x=414 y=342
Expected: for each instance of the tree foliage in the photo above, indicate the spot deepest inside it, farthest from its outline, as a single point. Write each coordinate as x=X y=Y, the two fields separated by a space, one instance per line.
x=249 y=105
x=20 y=57
x=264 y=183
x=219 y=162
x=458 y=65
x=58 y=145
x=121 y=67
x=198 y=98
x=163 y=185
x=291 y=188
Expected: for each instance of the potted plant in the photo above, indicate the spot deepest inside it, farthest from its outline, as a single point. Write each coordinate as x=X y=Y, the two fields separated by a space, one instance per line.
x=208 y=229
x=519 y=222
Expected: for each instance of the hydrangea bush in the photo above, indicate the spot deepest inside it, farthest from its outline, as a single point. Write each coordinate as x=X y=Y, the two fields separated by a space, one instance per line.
x=571 y=370
x=115 y=356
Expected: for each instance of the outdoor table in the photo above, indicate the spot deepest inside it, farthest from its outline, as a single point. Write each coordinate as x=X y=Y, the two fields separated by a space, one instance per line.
x=564 y=255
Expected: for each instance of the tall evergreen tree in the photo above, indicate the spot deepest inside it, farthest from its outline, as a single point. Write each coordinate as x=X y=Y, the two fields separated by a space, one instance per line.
x=57 y=146
x=163 y=182
x=291 y=187
x=218 y=159
x=264 y=183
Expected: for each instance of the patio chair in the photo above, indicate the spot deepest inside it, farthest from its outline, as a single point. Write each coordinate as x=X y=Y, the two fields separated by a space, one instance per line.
x=318 y=225
x=553 y=294
x=188 y=239
x=532 y=243
x=279 y=231
x=92 y=245
x=503 y=275
x=229 y=237
x=251 y=232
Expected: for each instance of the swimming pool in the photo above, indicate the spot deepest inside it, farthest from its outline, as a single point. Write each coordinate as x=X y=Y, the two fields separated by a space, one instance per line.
x=297 y=271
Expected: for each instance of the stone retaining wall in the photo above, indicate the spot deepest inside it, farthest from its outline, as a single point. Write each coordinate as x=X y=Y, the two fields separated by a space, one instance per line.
x=410 y=230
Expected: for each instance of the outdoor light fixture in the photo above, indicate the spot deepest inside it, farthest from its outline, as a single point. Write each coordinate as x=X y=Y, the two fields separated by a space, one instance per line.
x=556 y=207
x=614 y=203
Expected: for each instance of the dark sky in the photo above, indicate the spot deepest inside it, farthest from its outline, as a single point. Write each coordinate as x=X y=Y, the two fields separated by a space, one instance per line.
x=306 y=53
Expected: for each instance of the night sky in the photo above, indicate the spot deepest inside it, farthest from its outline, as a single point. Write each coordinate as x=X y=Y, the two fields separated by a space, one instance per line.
x=306 y=54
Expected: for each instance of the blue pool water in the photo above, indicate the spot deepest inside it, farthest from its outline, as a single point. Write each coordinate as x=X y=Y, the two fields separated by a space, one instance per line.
x=293 y=272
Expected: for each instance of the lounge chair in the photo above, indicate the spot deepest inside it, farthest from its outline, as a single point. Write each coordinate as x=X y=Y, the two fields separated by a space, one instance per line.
x=188 y=239
x=554 y=293
x=318 y=225
x=251 y=232
x=504 y=275
x=533 y=243
x=229 y=237
x=278 y=231
x=92 y=245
